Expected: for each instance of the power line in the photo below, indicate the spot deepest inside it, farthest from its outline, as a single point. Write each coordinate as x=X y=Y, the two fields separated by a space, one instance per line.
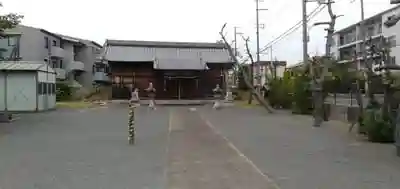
x=294 y=28
x=291 y=30
x=297 y=26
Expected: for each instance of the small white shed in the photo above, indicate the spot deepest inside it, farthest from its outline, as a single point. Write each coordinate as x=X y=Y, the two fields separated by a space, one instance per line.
x=26 y=86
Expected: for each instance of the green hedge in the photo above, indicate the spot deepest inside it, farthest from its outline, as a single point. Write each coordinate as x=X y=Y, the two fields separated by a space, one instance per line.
x=302 y=97
x=280 y=93
x=63 y=92
x=377 y=127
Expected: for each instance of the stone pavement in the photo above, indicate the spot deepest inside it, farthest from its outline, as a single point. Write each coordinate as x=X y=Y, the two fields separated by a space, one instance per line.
x=298 y=156
x=70 y=149
x=200 y=158
x=179 y=148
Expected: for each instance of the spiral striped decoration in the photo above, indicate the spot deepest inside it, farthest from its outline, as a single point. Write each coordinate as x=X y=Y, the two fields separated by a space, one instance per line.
x=131 y=123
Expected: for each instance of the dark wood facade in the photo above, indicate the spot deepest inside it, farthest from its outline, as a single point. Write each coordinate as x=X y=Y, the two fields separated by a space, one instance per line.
x=170 y=84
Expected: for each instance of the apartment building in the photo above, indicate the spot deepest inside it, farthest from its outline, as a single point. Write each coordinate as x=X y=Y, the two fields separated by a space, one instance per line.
x=348 y=41
x=72 y=58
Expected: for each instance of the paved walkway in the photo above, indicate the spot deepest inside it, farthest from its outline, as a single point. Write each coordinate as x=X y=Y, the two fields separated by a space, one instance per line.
x=298 y=156
x=181 y=149
x=200 y=158
x=84 y=150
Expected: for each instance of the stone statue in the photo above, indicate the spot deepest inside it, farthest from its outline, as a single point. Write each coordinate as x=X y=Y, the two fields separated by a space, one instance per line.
x=217 y=94
x=135 y=96
x=151 y=91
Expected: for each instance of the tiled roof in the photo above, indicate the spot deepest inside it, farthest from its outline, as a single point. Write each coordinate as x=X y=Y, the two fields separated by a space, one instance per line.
x=166 y=55
x=78 y=40
x=164 y=44
x=139 y=54
x=179 y=64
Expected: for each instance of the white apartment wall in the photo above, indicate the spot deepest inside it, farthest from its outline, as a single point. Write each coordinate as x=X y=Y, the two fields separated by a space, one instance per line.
x=392 y=31
x=68 y=54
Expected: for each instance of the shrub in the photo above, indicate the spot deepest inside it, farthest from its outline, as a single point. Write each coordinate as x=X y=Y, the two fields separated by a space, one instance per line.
x=378 y=128
x=63 y=92
x=302 y=100
x=279 y=95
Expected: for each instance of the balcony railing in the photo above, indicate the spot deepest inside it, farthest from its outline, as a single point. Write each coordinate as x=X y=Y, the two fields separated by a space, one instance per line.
x=57 y=52
x=61 y=73
x=77 y=66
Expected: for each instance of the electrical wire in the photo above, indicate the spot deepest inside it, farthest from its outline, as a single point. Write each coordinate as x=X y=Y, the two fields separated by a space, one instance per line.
x=291 y=30
x=294 y=28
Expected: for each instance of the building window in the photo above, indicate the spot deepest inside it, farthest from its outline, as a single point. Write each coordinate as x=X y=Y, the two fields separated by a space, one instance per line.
x=341 y=40
x=61 y=64
x=54 y=63
x=392 y=60
x=45 y=88
x=40 y=88
x=46 y=42
x=54 y=43
x=12 y=41
x=61 y=44
x=379 y=28
x=370 y=31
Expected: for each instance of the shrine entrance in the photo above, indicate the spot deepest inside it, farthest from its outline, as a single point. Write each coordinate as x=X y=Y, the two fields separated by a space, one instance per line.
x=181 y=87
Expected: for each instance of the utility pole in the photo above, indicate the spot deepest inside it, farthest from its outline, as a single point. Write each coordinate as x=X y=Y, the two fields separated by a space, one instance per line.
x=362 y=49
x=257 y=63
x=271 y=63
x=271 y=51
x=235 y=33
x=258 y=69
x=235 y=38
x=305 y=35
x=258 y=42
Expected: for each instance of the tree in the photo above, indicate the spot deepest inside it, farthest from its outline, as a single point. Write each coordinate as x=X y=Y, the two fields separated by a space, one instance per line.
x=246 y=77
x=319 y=69
x=9 y=20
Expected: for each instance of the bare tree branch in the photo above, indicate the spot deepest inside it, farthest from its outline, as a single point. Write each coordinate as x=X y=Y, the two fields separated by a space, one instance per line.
x=247 y=80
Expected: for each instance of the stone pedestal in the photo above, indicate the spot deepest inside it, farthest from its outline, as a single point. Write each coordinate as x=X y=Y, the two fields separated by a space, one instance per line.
x=5 y=118
x=229 y=96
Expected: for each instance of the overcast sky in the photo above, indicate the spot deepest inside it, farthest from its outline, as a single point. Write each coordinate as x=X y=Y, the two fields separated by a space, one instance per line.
x=186 y=20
